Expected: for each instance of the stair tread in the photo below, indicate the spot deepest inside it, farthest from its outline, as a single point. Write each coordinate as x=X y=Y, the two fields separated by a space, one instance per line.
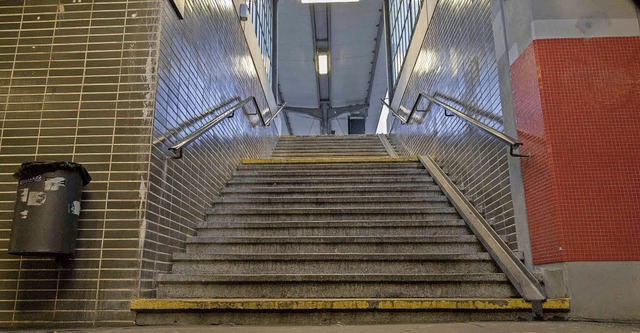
x=333 y=239
x=349 y=198
x=442 y=277
x=332 y=210
x=332 y=224
x=332 y=256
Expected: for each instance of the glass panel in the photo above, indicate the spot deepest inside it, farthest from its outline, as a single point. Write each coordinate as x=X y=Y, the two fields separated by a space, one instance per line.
x=403 y=15
x=261 y=17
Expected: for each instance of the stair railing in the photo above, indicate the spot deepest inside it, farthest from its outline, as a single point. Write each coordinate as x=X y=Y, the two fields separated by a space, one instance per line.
x=178 y=147
x=512 y=142
x=522 y=279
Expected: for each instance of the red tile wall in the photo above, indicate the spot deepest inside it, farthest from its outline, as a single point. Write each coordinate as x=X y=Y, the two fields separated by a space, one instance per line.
x=577 y=105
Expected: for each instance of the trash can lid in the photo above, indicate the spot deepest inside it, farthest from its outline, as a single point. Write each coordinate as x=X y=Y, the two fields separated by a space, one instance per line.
x=32 y=169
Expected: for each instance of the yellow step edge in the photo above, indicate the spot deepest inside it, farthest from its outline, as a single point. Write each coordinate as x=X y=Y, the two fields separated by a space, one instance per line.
x=318 y=160
x=328 y=136
x=426 y=304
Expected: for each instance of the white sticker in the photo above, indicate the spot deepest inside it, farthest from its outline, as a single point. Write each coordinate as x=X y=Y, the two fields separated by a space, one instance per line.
x=24 y=194
x=36 y=198
x=24 y=214
x=74 y=208
x=53 y=184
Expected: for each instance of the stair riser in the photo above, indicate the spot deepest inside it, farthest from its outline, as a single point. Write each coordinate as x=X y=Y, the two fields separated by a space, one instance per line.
x=319 y=150
x=332 y=200
x=328 y=173
x=332 y=267
x=362 y=147
x=345 y=153
x=336 y=248
x=326 y=194
x=336 y=210
x=258 y=204
x=338 y=180
x=325 y=217
x=336 y=290
x=364 y=231
x=336 y=186
x=331 y=166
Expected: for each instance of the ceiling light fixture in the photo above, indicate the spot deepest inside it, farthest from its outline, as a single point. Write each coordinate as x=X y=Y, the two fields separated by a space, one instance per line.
x=323 y=63
x=327 y=1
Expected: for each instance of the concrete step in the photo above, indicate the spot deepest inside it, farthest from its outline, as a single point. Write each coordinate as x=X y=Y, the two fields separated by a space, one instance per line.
x=341 y=311
x=333 y=263
x=329 y=202
x=346 y=154
x=336 y=147
x=338 y=210
x=337 y=179
x=249 y=198
x=311 y=205
x=392 y=189
x=368 y=227
x=335 y=285
x=365 y=148
x=331 y=166
x=244 y=193
x=266 y=217
x=320 y=138
x=328 y=173
x=334 y=244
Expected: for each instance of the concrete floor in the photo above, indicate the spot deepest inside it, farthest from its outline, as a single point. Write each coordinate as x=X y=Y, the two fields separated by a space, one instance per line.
x=471 y=327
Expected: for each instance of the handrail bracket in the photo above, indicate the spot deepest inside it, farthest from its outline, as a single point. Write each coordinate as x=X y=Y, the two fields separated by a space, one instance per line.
x=449 y=111
x=514 y=147
x=177 y=153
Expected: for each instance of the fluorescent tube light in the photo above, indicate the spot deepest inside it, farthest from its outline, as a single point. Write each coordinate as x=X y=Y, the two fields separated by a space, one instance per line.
x=327 y=1
x=323 y=63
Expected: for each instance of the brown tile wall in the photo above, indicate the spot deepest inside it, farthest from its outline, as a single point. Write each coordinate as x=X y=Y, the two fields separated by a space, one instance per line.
x=78 y=82
x=201 y=67
x=457 y=64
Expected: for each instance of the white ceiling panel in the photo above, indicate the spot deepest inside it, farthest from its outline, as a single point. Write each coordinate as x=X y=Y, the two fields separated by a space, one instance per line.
x=296 y=66
x=353 y=33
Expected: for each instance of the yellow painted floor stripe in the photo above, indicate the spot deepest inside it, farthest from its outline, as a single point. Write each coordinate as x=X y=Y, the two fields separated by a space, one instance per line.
x=426 y=304
x=318 y=160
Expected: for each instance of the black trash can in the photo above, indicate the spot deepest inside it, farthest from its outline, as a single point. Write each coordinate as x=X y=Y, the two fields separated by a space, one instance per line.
x=45 y=218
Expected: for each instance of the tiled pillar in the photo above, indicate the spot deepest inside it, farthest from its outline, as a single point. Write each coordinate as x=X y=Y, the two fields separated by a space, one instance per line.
x=575 y=71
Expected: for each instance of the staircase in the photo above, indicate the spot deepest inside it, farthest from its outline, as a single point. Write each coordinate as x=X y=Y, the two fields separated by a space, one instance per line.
x=332 y=229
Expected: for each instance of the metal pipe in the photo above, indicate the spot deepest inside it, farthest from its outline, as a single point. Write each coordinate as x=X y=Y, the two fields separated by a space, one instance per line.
x=276 y=114
x=404 y=121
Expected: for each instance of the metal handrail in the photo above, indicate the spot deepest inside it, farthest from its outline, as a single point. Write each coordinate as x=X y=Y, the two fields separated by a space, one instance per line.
x=513 y=143
x=177 y=148
x=276 y=114
x=404 y=121
x=192 y=121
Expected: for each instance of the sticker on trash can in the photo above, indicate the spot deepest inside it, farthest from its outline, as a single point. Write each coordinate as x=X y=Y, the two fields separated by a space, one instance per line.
x=30 y=180
x=53 y=184
x=24 y=194
x=74 y=208
x=36 y=198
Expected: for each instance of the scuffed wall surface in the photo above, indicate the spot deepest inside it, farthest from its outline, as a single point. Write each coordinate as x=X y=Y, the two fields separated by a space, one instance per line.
x=204 y=62
x=457 y=64
x=75 y=85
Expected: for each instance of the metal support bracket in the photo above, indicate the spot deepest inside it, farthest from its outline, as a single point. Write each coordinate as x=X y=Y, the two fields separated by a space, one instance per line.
x=513 y=148
x=536 y=307
x=177 y=153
